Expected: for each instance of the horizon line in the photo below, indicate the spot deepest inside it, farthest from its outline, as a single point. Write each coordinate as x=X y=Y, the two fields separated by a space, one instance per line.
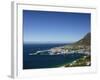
x=47 y=42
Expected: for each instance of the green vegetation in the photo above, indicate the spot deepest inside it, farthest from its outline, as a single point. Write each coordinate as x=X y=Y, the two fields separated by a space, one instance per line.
x=84 y=61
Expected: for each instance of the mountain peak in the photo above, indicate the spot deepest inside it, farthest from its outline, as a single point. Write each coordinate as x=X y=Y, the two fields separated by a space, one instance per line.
x=86 y=40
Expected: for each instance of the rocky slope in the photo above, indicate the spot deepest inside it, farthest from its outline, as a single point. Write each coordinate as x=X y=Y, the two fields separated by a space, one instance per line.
x=86 y=40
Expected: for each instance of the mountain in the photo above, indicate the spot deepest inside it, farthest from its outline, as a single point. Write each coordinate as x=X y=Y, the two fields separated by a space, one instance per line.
x=86 y=40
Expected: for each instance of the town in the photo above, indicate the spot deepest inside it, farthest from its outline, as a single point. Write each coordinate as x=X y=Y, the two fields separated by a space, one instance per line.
x=67 y=49
x=71 y=49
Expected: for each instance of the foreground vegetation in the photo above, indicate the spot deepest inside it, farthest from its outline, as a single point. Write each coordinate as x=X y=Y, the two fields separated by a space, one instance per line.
x=83 y=61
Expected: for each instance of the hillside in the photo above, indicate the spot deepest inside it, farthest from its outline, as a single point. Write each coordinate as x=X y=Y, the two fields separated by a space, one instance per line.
x=86 y=40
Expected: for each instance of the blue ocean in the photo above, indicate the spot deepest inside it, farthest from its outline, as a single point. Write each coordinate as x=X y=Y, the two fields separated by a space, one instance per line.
x=45 y=61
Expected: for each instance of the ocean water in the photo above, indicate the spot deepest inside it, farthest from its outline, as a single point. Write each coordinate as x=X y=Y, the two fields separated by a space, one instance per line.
x=45 y=61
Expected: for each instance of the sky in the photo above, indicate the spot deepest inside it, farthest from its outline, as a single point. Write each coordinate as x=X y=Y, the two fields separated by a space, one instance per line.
x=47 y=26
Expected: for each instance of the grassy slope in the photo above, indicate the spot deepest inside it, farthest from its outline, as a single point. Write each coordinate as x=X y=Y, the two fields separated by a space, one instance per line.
x=84 y=61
